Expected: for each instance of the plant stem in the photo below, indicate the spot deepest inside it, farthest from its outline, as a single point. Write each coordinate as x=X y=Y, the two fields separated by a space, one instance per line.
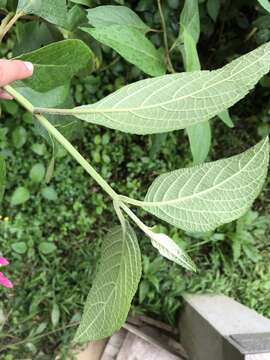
x=9 y=24
x=165 y=37
x=64 y=142
x=5 y=22
x=136 y=220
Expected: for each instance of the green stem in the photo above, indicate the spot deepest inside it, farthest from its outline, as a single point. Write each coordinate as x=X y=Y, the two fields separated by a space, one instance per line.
x=136 y=220
x=9 y=24
x=64 y=142
x=165 y=37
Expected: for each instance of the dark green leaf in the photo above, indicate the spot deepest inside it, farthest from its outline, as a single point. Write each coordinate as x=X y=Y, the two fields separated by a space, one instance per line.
x=32 y=35
x=57 y=63
x=213 y=7
x=132 y=45
x=108 y=15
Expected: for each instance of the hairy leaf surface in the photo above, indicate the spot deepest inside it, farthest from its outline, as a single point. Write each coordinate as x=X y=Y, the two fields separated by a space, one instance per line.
x=170 y=250
x=56 y=64
x=203 y=197
x=132 y=45
x=178 y=101
x=54 y=11
x=107 y=15
x=115 y=285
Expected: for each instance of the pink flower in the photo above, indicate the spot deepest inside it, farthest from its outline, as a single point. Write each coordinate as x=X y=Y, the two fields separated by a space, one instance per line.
x=4 y=280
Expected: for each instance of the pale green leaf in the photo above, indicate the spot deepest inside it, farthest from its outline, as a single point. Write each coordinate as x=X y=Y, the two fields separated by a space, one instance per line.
x=55 y=64
x=204 y=197
x=170 y=250
x=2 y=176
x=115 y=285
x=190 y=20
x=37 y=173
x=189 y=53
x=177 y=101
x=19 y=247
x=225 y=117
x=55 y=314
x=19 y=137
x=47 y=247
x=107 y=15
x=132 y=45
x=55 y=11
x=199 y=136
x=53 y=97
x=20 y=196
x=265 y=4
x=49 y=193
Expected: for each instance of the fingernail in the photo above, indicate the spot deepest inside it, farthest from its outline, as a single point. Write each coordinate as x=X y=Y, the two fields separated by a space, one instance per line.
x=29 y=66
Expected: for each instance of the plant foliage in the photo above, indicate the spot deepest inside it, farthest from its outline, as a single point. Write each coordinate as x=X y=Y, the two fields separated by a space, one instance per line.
x=195 y=199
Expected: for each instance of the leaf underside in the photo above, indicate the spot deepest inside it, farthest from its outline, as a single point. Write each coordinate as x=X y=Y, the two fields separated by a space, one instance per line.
x=203 y=197
x=178 y=101
x=115 y=285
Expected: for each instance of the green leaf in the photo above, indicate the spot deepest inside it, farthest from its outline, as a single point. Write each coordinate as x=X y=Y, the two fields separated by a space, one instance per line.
x=178 y=101
x=55 y=315
x=32 y=35
x=199 y=135
x=132 y=45
x=76 y=18
x=19 y=137
x=19 y=247
x=55 y=64
x=82 y=2
x=108 y=15
x=3 y=4
x=170 y=250
x=203 y=197
x=200 y=141
x=2 y=176
x=189 y=53
x=190 y=21
x=265 y=4
x=37 y=173
x=47 y=247
x=225 y=117
x=53 y=97
x=54 y=11
x=20 y=196
x=39 y=149
x=49 y=193
x=213 y=8
x=113 y=288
